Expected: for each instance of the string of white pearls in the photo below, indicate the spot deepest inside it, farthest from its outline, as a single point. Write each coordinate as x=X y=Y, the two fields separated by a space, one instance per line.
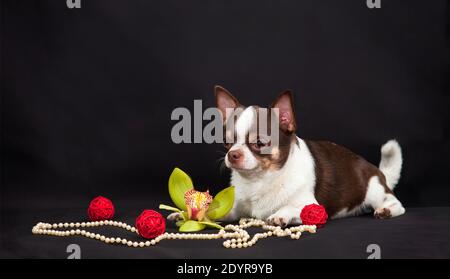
x=238 y=237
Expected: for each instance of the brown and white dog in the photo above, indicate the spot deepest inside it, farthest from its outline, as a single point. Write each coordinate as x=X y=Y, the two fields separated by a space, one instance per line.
x=276 y=186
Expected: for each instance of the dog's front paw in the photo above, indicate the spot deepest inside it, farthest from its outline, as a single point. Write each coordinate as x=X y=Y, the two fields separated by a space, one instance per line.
x=277 y=220
x=176 y=216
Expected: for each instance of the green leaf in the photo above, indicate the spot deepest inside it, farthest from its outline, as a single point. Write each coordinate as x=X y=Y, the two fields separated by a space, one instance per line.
x=179 y=183
x=192 y=226
x=221 y=204
x=171 y=208
x=211 y=224
x=180 y=223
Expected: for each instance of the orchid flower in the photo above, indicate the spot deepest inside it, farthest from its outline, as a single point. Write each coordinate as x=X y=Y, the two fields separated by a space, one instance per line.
x=198 y=209
x=197 y=204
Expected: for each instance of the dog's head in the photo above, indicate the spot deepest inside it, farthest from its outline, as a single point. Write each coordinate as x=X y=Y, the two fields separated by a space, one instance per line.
x=257 y=139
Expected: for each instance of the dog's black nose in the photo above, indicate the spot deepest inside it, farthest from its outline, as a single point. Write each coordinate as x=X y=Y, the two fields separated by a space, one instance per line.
x=234 y=156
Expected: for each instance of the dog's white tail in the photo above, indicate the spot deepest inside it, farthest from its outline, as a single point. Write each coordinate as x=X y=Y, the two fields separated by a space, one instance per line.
x=391 y=162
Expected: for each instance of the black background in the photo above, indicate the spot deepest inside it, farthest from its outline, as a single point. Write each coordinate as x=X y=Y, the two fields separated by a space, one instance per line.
x=87 y=93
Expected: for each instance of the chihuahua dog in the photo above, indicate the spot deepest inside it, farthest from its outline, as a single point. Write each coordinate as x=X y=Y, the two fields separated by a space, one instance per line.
x=276 y=186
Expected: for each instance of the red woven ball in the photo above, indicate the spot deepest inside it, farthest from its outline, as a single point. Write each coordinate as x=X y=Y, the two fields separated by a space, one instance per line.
x=314 y=214
x=100 y=208
x=150 y=224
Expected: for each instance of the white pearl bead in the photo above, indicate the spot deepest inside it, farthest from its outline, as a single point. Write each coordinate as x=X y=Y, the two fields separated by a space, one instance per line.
x=237 y=237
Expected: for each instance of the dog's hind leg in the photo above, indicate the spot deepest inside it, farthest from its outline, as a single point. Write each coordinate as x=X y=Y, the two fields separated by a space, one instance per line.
x=383 y=201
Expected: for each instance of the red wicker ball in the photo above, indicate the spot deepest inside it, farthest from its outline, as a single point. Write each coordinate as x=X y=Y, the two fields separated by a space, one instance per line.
x=314 y=214
x=100 y=208
x=150 y=224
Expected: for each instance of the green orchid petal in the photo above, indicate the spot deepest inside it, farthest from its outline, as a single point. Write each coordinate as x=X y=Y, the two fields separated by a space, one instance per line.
x=192 y=226
x=184 y=214
x=179 y=183
x=211 y=224
x=221 y=204
x=171 y=208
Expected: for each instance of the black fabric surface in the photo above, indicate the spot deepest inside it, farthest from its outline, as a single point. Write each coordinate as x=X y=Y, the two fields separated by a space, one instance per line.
x=420 y=233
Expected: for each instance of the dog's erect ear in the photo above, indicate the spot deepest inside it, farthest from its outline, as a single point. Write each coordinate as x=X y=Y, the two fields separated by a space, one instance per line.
x=285 y=104
x=225 y=100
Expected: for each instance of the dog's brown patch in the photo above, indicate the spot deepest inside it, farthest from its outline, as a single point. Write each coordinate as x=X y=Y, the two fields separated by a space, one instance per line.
x=342 y=176
x=279 y=154
x=382 y=213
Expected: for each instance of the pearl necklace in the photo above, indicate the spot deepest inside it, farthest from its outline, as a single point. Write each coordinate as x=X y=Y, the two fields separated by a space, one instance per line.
x=237 y=238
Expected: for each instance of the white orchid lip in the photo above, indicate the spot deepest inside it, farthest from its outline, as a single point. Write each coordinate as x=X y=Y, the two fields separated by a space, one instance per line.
x=197 y=204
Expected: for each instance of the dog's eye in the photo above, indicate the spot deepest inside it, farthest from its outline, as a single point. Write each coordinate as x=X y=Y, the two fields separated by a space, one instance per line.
x=260 y=144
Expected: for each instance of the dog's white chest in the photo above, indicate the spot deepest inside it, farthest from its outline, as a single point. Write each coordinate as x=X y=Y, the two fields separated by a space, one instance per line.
x=262 y=196
x=260 y=199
